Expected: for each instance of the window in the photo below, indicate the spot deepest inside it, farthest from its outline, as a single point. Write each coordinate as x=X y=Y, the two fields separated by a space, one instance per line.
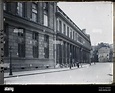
x=60 y=26
x=34 y=12
x=64 y=29
x=21 y=43
x=73 y=35
x=46 y=46
x=20 y=9
x=35 y=36
x=35 y=51
x=21 y=33
x=57 y=25
x=80 y=39
x=68 y=31
x=45 y=18
x=35 y=44
x=76 y=36
x=8 y=6
x=21 y=50
x=4 y=6
x=45 y=7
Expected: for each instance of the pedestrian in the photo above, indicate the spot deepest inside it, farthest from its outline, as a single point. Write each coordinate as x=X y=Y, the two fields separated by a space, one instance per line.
x=70 y=63
x=78 y=64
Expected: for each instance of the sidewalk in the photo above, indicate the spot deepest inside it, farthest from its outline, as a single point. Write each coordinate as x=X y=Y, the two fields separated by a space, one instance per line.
x=34 y=72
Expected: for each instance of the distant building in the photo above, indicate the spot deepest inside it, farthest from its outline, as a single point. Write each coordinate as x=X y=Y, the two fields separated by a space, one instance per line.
x=94 y=55
x=103 y=54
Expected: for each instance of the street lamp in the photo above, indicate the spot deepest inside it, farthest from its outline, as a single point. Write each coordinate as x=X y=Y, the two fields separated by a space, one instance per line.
x=10 y=54
x=10 y=50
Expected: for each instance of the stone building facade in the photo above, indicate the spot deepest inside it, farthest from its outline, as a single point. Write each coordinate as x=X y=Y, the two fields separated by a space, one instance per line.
x=75 y=44
x=104 y=54
x=29 y=31
x=32 y=30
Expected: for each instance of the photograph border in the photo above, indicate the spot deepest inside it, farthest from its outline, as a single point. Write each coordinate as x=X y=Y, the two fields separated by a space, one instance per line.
x=2 y=39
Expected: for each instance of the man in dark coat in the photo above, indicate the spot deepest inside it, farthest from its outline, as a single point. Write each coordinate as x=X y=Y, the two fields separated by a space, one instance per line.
x=78 y=64
x=70 y=65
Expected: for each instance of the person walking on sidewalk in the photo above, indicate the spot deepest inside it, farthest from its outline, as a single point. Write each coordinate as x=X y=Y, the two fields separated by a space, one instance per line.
x=70 y=64
x=78 y=64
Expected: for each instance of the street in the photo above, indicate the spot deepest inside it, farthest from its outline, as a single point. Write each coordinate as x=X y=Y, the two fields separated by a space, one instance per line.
x=99 y=73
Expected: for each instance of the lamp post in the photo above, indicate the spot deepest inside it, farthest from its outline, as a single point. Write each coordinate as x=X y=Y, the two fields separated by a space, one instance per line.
x=10 y=55
x=10 y=51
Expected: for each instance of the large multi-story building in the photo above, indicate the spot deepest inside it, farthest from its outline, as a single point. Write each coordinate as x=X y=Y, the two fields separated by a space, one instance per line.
x=75 y=43
x=33 y=31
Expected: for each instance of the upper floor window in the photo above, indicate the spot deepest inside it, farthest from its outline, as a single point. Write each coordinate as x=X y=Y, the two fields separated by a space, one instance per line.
x=45 y=7
x=45 y=17
x=68 y=31
x=8 y=6
x=20 y=9
x=4 y=6
x=73 y=35
x=80 y=39
x=57 y=26
x=34 y=12
x=60 y=26
x=64 y=29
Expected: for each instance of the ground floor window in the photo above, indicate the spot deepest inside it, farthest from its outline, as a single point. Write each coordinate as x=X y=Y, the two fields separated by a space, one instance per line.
x=21 y=50
x=35 y=51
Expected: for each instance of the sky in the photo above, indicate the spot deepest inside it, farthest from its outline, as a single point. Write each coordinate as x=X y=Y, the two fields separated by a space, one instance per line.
x=95 y=17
